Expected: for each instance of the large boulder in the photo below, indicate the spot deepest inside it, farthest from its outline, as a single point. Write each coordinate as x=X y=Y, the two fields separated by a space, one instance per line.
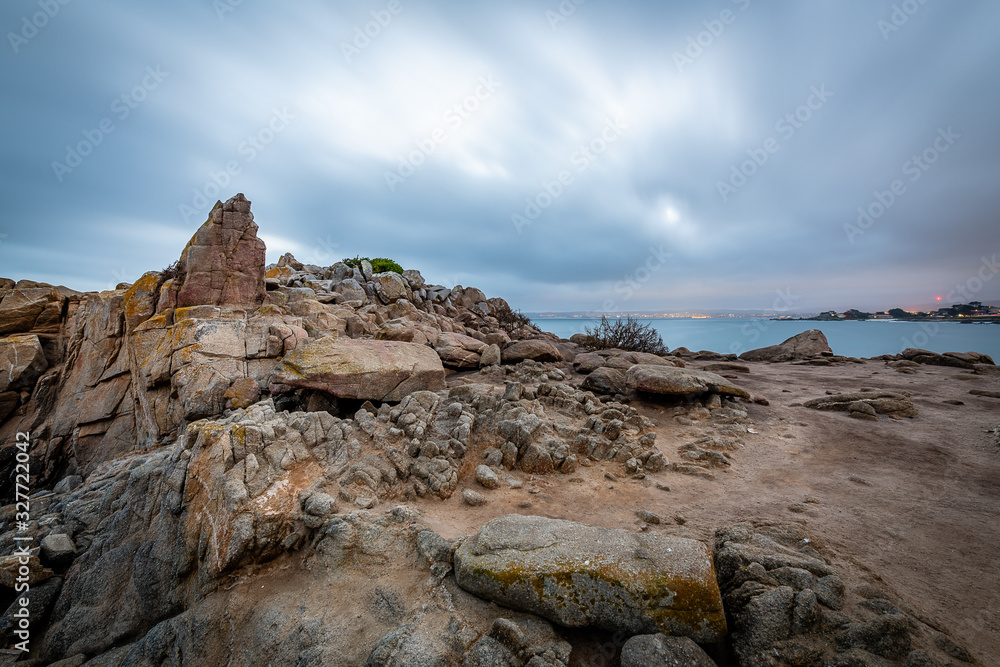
x=378 y=370
x=22 y=361
x=222 y=264
x=22 y=309
x=389 y=286
x=680 y=381
x=536 y=350
x=579 y=575
x=606 y=381
x=459 y=351
x=805 y=345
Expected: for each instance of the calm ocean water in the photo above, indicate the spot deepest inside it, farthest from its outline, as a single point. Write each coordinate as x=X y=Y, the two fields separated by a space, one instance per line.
x=852 y=339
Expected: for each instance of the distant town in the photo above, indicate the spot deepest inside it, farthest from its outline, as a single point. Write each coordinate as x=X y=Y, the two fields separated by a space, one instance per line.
x=963 y=312
x=974 y=311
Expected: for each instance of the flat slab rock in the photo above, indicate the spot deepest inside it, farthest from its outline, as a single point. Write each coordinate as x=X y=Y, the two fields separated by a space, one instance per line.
x=579 y=575
x=379 y=370
x=679 y=381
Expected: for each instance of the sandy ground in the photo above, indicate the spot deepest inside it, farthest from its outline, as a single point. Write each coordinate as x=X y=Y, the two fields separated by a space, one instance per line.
x=910 y=503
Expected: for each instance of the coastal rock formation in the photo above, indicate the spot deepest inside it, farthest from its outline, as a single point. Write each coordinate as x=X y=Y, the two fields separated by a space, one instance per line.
x=222 y=264
x=660 y=379
x=234 y=463
x=806 y=345
x=579 y=575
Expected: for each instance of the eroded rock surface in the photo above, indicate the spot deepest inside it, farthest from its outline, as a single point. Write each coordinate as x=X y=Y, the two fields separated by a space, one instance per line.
x=579 y=575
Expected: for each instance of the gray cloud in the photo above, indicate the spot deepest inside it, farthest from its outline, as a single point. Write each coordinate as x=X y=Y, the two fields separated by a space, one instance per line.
x=207 y=129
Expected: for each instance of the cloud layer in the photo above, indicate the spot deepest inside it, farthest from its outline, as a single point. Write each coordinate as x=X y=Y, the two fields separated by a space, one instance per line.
x=585 y=156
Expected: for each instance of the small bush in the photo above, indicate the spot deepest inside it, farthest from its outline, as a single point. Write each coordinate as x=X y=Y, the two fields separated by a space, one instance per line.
x=379 y=264
x=170 y=272
x=511 y=320
x=627 y=334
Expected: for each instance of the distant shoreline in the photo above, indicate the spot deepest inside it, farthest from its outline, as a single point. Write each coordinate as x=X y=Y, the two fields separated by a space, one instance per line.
x=992 y=319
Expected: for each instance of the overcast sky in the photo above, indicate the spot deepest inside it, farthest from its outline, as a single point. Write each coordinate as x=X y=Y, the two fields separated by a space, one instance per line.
x=600 y=156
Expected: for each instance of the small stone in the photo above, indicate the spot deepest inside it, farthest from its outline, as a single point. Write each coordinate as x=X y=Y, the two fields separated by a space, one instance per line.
x=486 y=477
x=58 y=550
x=648 y=517
x=473 y=498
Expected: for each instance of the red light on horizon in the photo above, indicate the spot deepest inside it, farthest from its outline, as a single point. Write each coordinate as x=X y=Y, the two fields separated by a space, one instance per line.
x=939 y=298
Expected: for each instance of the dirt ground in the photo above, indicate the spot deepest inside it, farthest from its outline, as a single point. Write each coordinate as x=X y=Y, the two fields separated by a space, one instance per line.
x=909 y=503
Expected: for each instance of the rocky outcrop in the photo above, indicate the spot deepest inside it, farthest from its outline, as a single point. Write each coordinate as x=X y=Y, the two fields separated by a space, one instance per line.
x=361 y=369
x=222 y=264
x=680 y=381
x=806 y=345
x=787 y=605
x=866 y=404
x=580 y=575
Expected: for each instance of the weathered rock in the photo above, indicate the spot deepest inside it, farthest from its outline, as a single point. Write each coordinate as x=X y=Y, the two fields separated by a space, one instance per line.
x=659 y=650
x=877 y=402
x=606 y=381
x=58 y=550
x=223 y=263
x=487 y=477
x=473 y=498
x=490 y=356
x=680 y=381
x=805 y=345
x=22 y=361
x=11 y=573
x=459 y=351
x=363 y=369
x=389 y=286
x=22 y=308
x=242 y=393
x=536 y=350
x=350 y=290
x=579 y=575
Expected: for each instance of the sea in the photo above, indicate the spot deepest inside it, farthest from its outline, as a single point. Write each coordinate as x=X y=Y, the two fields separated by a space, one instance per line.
x=869 y=338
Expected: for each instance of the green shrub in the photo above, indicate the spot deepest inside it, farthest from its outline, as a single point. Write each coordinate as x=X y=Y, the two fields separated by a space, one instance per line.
x=627 y=334
x=379 y=264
